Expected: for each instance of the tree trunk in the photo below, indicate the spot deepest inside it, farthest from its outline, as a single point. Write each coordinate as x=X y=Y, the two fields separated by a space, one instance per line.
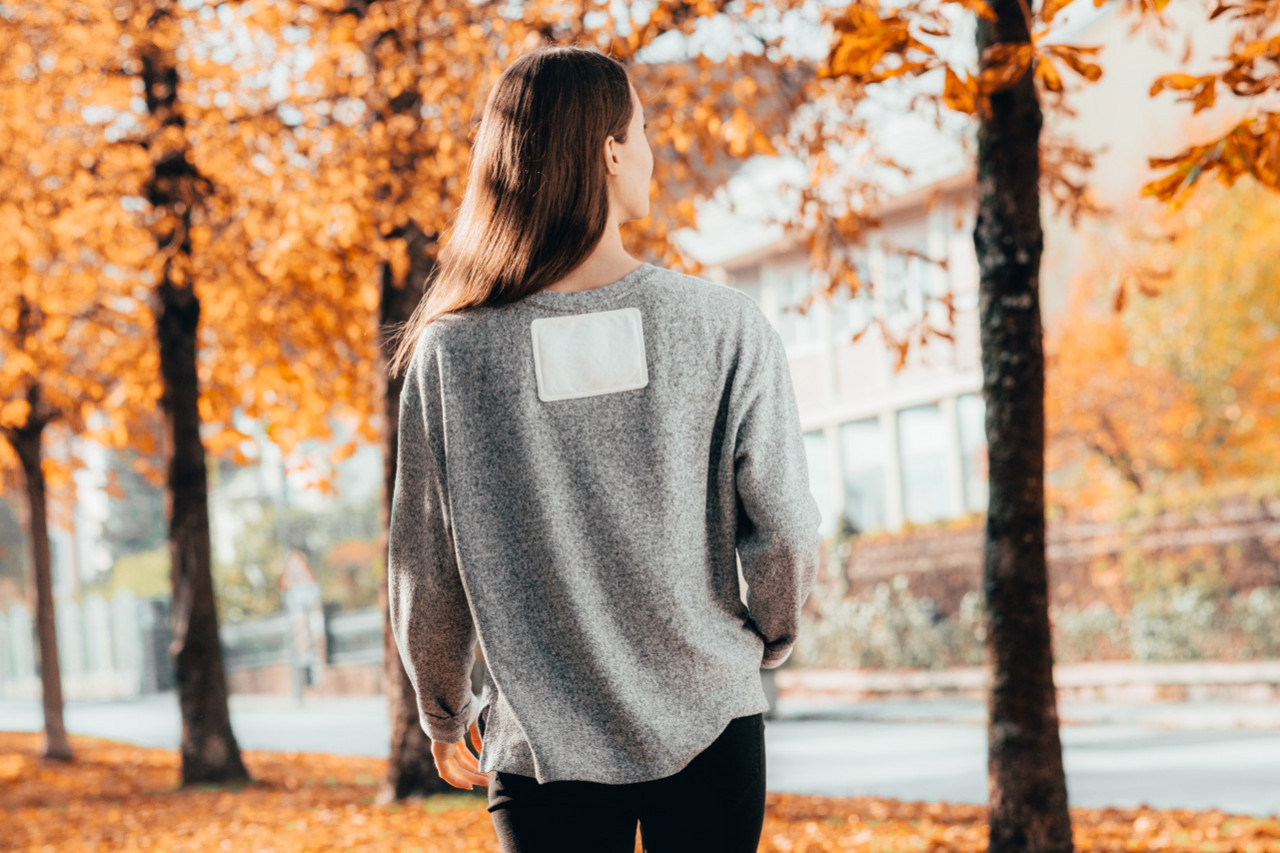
x=411 y=769
x=209 y=749
x=1026 y=785
x=27 y=444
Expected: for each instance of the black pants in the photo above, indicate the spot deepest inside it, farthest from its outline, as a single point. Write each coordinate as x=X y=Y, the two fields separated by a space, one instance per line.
x=714 y=805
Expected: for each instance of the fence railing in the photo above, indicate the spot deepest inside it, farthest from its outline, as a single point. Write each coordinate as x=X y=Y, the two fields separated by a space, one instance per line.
x=119 y=647
x=354 y=637
x=107 y=648
x=255 y=643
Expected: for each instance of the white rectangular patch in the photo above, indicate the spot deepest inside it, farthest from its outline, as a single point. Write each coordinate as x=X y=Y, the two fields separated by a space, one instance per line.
x=581 y=355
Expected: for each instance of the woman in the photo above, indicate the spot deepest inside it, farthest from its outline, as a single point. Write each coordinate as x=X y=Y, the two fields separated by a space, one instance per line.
x=588 y=443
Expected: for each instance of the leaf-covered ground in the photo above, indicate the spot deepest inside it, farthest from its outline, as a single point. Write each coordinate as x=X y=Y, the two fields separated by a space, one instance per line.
x=121 y=797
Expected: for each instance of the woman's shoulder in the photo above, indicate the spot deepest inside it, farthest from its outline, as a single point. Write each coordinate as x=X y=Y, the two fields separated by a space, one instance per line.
x=430 y=339
x=444 y=326
x=698 y=291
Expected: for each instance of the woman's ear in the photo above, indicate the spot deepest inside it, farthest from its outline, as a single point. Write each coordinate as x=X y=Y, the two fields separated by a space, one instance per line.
x=611 y=155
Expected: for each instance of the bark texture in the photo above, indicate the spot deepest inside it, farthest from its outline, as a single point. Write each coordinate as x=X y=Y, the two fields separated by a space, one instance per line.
x=175 y=190
x=1027 y=790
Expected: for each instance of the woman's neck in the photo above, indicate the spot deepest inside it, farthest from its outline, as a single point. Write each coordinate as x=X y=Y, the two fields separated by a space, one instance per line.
x=607 y=263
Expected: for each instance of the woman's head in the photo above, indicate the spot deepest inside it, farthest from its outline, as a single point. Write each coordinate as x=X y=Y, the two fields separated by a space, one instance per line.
x=560 y=156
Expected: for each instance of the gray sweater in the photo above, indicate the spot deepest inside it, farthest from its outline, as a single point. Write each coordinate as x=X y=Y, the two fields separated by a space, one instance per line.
x=579 y=476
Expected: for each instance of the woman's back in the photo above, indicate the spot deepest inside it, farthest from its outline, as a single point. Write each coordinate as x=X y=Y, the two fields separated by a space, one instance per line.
x=577 y=471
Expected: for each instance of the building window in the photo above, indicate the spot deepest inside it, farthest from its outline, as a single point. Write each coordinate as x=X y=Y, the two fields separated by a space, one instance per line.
x=793 y=287
x=815 y=450
x=971 y=413
x=851 y=314
x=863 y=453
x=905 y=283
x=922 y=449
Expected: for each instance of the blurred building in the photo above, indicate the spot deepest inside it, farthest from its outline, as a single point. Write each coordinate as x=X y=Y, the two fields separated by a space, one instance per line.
x=885 y=446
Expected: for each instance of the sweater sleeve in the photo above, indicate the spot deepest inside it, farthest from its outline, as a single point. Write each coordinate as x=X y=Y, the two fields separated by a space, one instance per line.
x=430 y=615
x=778 y=523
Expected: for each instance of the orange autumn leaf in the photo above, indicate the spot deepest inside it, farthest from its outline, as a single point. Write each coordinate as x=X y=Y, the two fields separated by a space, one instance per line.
x=957 y=94
x=1201 y=89
x=1003 y=65
x=1075 y=56
x=1047 y=75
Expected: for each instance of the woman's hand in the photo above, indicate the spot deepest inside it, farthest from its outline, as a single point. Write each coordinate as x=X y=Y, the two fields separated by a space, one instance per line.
x=456 y=764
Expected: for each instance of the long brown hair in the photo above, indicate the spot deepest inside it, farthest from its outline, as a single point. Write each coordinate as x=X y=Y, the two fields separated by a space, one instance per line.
x=536 y=201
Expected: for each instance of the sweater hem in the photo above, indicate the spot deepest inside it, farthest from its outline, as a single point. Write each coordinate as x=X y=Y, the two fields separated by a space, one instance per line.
x=758 y=703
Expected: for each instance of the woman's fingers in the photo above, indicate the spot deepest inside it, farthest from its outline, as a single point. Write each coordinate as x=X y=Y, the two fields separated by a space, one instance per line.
x=462 y=770
x=477 y=778
x=472 y=767
x=466 y=759
x=463 y=777
x=457 y=765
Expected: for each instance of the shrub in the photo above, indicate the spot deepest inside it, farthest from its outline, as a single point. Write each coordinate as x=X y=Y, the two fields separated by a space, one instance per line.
x=1257 y=618
x=1177 y=625
x=1095 y=632
x=889 y=628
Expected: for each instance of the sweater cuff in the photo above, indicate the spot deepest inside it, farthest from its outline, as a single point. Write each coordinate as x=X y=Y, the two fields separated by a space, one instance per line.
x=452 y=729
x=776 y=657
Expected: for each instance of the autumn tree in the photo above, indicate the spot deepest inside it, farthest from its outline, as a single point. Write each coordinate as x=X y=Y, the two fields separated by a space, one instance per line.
x=68 y=344
x=245 y=306
x=1027 y=791
x=1179 y=388
x=1027 y=794
x=259 y=291
x=176 y=190
x=69 y=349
x=240 y=317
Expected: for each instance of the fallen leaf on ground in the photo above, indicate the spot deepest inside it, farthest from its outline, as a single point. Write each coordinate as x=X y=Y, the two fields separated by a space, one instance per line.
x=120 y=797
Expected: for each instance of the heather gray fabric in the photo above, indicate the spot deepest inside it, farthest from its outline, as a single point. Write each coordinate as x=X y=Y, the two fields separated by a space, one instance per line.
x=589 y=542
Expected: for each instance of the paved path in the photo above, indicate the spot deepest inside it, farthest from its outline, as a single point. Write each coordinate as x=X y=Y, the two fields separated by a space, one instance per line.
x=1190 y=755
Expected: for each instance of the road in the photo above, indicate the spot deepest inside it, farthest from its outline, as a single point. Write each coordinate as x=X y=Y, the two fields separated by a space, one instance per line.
x=1170 y=756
